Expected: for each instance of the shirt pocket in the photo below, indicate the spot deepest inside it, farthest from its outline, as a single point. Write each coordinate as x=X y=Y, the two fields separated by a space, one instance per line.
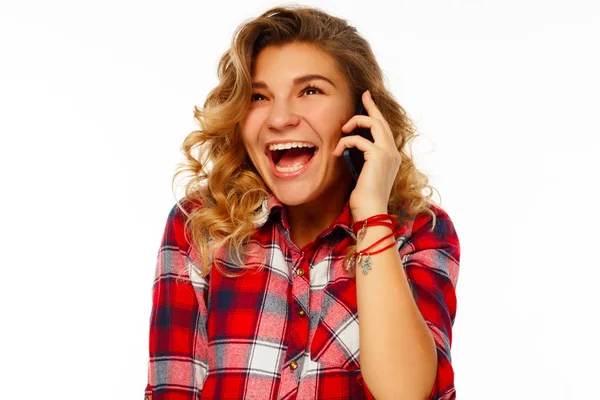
x=336 y=339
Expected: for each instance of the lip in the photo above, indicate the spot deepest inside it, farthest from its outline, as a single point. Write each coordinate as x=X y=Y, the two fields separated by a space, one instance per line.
x=289 y=175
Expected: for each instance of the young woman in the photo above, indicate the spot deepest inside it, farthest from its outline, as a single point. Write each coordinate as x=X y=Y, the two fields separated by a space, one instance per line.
x=257 y=294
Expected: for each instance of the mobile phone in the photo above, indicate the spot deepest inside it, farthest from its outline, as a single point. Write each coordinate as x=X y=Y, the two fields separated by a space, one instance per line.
x=353 y=156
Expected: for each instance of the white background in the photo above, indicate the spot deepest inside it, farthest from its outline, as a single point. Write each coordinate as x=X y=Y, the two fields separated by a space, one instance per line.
x=96 y=98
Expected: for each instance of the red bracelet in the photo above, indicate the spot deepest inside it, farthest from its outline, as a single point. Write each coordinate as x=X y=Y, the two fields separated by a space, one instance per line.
x=373 y=220
x=361 y=232
x=378 y=217
x=366 y=265
x=379 y=241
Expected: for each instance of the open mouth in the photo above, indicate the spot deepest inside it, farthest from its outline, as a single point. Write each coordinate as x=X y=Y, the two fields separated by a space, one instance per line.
x=293 y=159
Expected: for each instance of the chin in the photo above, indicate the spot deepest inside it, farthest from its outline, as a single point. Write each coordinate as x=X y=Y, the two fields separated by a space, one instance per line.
x=296 y=192
x=292 y=196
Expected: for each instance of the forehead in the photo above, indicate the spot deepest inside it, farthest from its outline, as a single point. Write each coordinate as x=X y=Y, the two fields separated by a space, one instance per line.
x=282 y=63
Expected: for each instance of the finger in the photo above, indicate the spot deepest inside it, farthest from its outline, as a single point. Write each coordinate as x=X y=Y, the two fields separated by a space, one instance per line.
x=374 y=125
x=359 y=142
x=365 y=98
x=371 y=107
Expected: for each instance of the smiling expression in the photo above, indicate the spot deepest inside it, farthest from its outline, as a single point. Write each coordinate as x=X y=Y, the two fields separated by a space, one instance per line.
x=299 y=99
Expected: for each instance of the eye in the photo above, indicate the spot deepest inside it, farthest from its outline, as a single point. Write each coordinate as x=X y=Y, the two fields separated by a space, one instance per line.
x=311 y=87
x=306 y=88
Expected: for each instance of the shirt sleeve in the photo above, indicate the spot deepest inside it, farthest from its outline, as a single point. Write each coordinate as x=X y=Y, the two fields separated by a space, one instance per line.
x=178 y=341
x=431 y=262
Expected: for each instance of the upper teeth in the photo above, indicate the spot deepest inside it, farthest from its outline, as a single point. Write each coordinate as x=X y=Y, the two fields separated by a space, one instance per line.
x=282 y=146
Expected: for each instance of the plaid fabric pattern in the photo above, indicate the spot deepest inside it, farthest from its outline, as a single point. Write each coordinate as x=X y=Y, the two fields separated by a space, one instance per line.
x=291 y=330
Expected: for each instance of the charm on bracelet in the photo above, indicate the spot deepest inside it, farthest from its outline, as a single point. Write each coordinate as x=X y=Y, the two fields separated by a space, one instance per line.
x=362 y=231
x=366 y=265
x=349 y=263
x=353 y=261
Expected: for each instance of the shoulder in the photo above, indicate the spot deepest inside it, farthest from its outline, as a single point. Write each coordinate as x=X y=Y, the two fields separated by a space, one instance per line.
x=439 y=224
x=436 y=223
x=432 y=237
x=177 y=241
x=183 y=206
x=176 y=233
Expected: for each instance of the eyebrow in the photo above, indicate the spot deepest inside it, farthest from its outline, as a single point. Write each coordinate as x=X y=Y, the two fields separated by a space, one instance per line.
x=298 y=80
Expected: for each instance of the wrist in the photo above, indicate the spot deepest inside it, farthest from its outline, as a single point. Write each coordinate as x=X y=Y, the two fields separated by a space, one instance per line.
x=361 y=215
x=372 y=234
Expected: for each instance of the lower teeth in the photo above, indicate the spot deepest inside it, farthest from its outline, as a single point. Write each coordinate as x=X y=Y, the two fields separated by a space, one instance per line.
x=289 y=169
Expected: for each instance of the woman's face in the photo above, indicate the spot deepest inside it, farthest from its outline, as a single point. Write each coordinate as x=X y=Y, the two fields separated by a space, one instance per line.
x=284 y=112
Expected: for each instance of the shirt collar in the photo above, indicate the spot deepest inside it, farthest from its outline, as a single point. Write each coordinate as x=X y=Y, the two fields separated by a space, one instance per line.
x=272 y=206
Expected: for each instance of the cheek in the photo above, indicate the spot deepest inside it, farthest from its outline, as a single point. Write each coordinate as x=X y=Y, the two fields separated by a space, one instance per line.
x=248 y=139
x=247 y=148
x=331 y=125
x=248 y=127
x=334 y=136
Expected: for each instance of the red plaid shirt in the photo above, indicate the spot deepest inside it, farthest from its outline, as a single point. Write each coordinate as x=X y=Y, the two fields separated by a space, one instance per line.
x=291 y=330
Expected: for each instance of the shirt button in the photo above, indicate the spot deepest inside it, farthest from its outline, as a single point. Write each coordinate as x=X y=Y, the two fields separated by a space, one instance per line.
x=301 y=313
x=293 y=365
x=300 y=271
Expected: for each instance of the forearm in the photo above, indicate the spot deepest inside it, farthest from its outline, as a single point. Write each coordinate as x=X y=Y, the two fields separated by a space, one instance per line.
x=397 y=352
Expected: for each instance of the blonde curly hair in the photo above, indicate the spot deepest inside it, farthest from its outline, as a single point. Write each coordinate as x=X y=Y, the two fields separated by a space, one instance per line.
x=222 y=200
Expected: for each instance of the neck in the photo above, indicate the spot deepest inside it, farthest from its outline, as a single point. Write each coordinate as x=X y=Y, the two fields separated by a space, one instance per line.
x=308 y=220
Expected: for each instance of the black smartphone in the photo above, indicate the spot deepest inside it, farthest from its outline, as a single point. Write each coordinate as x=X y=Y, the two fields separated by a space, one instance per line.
x=354 y=157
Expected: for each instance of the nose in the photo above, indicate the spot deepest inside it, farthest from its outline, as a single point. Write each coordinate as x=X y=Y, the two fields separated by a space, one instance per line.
x=282 y=116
